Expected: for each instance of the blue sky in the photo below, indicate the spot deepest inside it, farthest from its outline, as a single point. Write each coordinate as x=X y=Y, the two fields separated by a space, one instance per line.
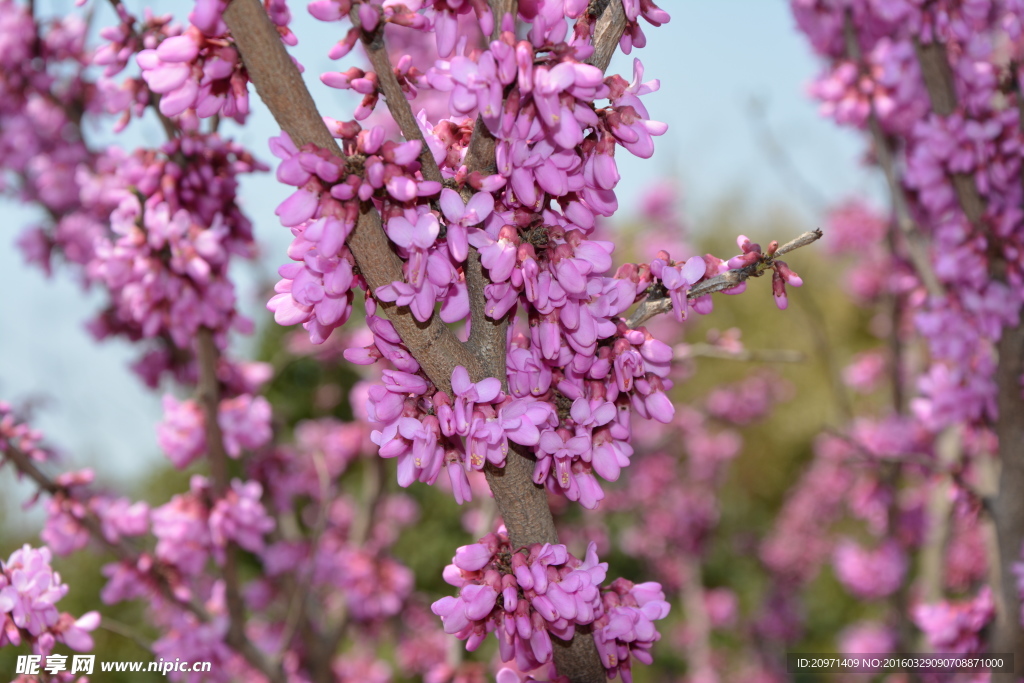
x=714 y=59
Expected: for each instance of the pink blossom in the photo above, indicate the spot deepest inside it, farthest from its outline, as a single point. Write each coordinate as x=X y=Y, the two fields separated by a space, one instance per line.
x=870 y=573
x=461 y=217
x=182 y=434
x=240 y=517
x=678 y=281
x=245 y=423
x=181 y=527
x=955 y=628
x=468 y=394
x=32 y=589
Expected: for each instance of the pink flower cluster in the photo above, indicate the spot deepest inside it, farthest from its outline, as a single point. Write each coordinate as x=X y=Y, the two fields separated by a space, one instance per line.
x=626 y=630
x=193 y=525
x=29 y=592
x=193 y=71
x=244 y=422
x=16 y=433
x=317 y=290
x=326 y=445
x=955 y=627
x=870 y=573
x=867 y=638
x=175 y=226
x=978 y=143
x=156 y=229
x=64 y=531
x=39 y=150
x=579 y=368
x=526 y=596
x=461 y=435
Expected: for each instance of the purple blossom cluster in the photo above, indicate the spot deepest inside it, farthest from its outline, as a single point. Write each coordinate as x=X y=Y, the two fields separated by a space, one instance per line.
x=577 y=375
x=870 y=573
x=29 y=593
x=938 y=87
x=174 y=226
x=526 y=596
x=157 y=229
x=956 y=627
x=194 y=526
x=626 y=630
x=67 y=509
x=979 y=141
x=17 y=434
x=244 y=423
x=192 y=71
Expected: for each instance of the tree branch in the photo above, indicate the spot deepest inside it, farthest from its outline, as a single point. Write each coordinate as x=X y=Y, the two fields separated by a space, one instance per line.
x=1008 y=506
x=686 y=351
x=125 y=631
x=282 y=89
x=394 y=96
x=610 y=25
x=917 y=243
x=208 y=394
x=298 y=599
x=92 y=523
x=487 y=336
x=499 y=8
x=938 y=79
x=649 y=308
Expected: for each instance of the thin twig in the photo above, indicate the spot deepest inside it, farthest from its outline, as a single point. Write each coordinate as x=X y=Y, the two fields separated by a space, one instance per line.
x=731 y=278
x=922 y=460
x=917 y=243
x=394 y=96
x=938 y=511
x=125 y=631
x=808 y=305
x=92 y=523
x=299 y=599
x=779 y=156
x=649 y=307
x=698 y=621
x=170 y=128
x=702 y=350
x=208 y=394
x=373 y=494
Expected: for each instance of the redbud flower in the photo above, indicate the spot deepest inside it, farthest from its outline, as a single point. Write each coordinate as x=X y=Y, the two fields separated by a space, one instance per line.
x=240 y=517
x=32 y=589
x=468 y=394
x=461 y=217
x=678 y=280
x=182 y=433
x=245 y=423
